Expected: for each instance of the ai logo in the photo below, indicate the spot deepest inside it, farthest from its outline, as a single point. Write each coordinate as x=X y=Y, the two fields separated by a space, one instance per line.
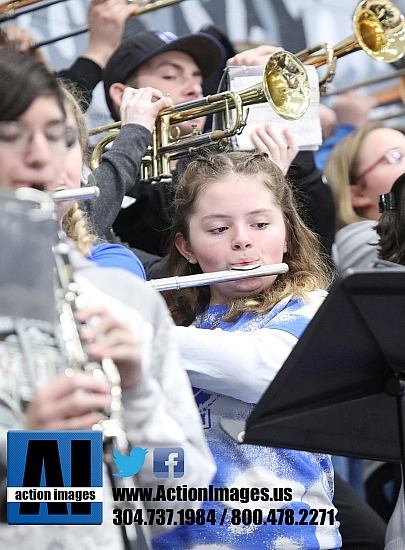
x=54 y=477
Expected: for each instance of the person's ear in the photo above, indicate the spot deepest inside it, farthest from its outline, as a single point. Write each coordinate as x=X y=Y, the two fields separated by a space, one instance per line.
x=116 y=91
x=360 y=199
x=183 y=246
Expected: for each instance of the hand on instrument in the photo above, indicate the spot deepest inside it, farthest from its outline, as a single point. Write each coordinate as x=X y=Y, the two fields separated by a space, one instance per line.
x=281 y=150
x=105 y=337
x=106 y=26
x=68 y=403
x=142 y=106
x=254 y=56
x=21 y=40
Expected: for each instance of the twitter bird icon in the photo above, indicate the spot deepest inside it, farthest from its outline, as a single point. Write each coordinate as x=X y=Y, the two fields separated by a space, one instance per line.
x=129 y=465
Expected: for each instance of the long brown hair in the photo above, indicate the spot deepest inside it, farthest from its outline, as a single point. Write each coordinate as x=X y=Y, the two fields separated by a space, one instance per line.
x=307 y=269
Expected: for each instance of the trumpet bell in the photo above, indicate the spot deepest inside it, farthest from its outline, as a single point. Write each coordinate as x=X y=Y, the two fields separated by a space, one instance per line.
x=286 y=85
x=379 y=29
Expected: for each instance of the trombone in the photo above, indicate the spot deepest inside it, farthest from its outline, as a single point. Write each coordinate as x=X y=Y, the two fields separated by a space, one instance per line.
x=8 y=10
x=379 y=30
x=399 y=73
x=387 y=96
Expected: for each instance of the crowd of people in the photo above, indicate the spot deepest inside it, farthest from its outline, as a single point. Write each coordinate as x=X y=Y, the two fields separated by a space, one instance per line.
x=191 y=357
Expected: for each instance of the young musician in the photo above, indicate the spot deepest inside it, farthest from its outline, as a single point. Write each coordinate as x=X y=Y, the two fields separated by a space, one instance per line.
x=359 y=168
x=177 y=66
x=88 y=221
x=236 y=210
x=132 y=327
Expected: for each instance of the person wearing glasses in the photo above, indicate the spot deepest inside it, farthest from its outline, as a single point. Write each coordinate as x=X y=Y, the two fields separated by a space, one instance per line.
x=361 y=167
x=119 y=318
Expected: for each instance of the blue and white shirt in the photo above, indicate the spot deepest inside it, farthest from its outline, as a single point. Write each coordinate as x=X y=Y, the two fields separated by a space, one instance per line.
x=230 y=367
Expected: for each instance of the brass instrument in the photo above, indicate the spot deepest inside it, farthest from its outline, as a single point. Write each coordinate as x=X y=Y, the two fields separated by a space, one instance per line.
x=15 y=5
x=285 y=86
x=8 y=10
x=400 y=73
x=378 y=30
x=201 y=279
x=386 y=96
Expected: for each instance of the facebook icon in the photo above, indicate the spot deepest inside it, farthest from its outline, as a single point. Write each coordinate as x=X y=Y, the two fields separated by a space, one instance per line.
x=168 y=462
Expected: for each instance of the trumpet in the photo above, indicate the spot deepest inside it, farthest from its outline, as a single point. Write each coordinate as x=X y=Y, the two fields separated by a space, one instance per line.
x=284 y=86
x=379 y=30
x=202 y=279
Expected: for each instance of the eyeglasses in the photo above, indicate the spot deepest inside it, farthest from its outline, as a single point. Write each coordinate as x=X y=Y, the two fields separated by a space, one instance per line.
x=392 y=156
x=17 y=137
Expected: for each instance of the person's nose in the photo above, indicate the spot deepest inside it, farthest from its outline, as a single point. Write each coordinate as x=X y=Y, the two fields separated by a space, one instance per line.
x=193 y=87
x=38 y=150
x=241 y=238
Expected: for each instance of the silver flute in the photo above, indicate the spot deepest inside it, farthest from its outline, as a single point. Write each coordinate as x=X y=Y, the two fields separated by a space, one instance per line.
x=80 y=194
x=201 y=279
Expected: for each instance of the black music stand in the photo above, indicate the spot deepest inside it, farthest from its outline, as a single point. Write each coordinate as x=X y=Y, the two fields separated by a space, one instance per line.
x=342 y=389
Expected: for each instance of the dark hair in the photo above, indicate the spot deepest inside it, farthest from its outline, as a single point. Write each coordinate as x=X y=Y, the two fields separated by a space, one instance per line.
x=391 y=226
x=22 y=81
x=307 y=270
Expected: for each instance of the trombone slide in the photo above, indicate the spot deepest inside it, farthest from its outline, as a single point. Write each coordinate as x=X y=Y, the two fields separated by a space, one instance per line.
x=201 y=279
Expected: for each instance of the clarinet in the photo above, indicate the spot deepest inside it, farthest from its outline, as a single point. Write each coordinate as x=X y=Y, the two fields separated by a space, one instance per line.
x=111 y=424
